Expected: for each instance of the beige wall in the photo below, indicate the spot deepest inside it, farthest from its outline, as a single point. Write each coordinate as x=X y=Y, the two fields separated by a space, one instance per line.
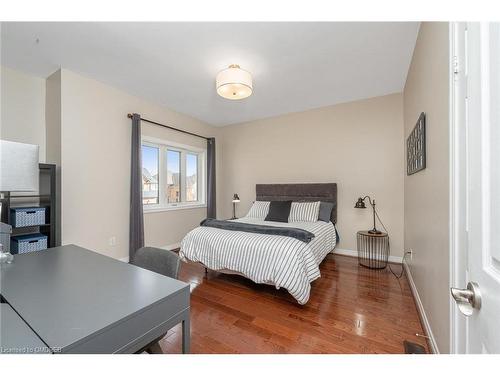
x=88 y=134
x=358 y=145
x=427 y=192
x=23 y=108
x=95 y=163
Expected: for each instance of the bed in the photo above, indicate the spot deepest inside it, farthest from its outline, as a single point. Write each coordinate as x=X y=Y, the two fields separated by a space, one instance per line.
x=284 y=262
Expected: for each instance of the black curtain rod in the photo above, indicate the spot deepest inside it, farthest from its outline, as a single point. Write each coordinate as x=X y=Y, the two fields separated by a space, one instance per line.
x=170 y=127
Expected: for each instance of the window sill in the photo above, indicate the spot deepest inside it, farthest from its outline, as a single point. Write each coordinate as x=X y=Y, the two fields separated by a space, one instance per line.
x=173 y=208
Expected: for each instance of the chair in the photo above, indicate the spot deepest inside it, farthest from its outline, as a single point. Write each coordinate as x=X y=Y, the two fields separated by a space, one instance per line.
x=161 y=261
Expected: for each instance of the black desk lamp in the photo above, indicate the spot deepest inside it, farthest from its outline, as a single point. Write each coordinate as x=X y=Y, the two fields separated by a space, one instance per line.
x=361 y=204
x=236 y=199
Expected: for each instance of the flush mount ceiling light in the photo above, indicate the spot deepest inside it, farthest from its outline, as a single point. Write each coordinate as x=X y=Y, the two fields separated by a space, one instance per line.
x=234 y=83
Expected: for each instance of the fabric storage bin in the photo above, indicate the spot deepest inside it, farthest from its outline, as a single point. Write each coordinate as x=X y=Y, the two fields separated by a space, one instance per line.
x=27 y=216
x=28 y=243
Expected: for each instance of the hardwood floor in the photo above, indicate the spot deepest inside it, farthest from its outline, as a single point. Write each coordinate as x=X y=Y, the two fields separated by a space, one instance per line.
x=351 y=310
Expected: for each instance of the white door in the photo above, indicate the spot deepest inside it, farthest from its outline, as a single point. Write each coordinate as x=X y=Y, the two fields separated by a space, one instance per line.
x=481 y=301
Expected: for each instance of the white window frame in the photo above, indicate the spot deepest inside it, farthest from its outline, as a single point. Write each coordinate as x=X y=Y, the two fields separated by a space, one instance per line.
x=163 y=146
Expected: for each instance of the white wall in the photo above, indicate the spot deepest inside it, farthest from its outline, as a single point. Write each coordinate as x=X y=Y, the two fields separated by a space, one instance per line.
x=95 y=164
x=358 y=145
x=23 y=108
x=427 y=192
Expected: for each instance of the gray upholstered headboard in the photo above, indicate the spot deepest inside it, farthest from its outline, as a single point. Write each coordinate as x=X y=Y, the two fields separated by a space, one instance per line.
x=325 y=192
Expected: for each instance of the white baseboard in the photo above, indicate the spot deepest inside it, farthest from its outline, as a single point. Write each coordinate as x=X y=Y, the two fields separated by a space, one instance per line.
x=421 y=311
x=171 y=247
x=166 y=247
x=354 y=253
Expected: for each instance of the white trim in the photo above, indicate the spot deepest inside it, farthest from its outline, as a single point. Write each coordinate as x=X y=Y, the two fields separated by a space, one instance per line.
x=171 y=246
x=173 y=145
x=421 y=311
x=354 y=253
x=455 y=66
x=166 y=247
x=180 y=206
x=457 y=181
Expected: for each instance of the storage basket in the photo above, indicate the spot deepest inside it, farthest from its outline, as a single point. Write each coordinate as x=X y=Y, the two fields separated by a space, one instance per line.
x=28 y=243
x=27 y=216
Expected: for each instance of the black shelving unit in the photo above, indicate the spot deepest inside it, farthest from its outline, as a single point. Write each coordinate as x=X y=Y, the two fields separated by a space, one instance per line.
x=45 y=197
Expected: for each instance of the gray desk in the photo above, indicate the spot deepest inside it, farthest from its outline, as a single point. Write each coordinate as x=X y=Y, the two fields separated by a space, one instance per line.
x=16 y=337
x=78 y=301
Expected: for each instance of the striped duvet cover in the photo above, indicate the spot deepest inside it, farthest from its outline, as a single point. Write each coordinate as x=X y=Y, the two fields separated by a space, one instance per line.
x=281 y=261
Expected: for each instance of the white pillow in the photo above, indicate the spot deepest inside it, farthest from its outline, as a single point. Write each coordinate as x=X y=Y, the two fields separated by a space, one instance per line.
x=259 y=210
x=304 y=211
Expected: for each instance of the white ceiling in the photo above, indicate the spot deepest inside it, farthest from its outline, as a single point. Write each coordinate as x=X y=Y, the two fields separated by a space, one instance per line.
x=295 y=66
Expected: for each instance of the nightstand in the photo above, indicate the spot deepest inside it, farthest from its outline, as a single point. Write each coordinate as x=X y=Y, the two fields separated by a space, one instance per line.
x=373 y=249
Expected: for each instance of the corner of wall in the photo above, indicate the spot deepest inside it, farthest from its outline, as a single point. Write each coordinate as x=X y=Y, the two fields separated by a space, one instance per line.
x=426 y=193
x=53 y=142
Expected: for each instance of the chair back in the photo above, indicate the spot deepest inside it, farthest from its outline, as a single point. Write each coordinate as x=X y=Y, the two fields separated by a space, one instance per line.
x=161 y=261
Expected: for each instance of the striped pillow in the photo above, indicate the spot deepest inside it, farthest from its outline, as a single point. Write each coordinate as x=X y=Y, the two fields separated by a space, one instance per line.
x=259 y=210
x=304 y=211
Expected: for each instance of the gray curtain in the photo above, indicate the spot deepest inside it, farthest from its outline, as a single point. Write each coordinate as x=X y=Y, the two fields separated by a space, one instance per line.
x=211 y=201
x=136 y=236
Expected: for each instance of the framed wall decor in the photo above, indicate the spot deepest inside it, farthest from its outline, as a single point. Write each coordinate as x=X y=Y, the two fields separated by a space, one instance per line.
x=415 y=147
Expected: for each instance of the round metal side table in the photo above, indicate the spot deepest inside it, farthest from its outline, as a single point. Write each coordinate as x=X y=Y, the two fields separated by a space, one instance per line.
x=373 y=249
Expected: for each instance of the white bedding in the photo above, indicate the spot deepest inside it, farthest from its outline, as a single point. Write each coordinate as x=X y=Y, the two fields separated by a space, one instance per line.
x=281 y=261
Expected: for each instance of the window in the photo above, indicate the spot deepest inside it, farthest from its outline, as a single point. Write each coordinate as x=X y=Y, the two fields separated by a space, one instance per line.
x=173 y=188
x=150 y=175
x=191 y=177
x=173 y=175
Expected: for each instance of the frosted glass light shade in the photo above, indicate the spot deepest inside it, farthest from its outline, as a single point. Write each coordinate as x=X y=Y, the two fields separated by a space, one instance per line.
x=234 y=83
x=18 y=166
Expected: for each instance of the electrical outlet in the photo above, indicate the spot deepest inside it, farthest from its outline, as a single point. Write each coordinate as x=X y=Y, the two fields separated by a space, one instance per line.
x=410 y=253
x=112 y=241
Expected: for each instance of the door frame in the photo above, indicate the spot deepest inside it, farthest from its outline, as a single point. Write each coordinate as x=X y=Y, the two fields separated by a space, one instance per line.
x=458 y=181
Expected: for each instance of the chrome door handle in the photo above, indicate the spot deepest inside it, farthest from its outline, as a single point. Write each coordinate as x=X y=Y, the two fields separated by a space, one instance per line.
x=467 y=299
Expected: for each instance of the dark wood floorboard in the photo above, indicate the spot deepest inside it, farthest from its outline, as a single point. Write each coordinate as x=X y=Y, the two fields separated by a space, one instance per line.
x=351 y=310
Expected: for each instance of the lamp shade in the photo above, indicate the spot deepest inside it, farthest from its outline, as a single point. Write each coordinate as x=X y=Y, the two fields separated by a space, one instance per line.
x=234 y=83
x=236 y=198
x=18 y=166
x=360 y=203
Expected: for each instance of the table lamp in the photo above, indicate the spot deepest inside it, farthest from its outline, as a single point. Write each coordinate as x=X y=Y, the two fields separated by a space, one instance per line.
x=361 y=204
x=236 y=199
x=18 y=172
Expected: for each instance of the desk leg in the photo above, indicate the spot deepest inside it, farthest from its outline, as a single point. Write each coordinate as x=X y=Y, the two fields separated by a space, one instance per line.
x=186 y=334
